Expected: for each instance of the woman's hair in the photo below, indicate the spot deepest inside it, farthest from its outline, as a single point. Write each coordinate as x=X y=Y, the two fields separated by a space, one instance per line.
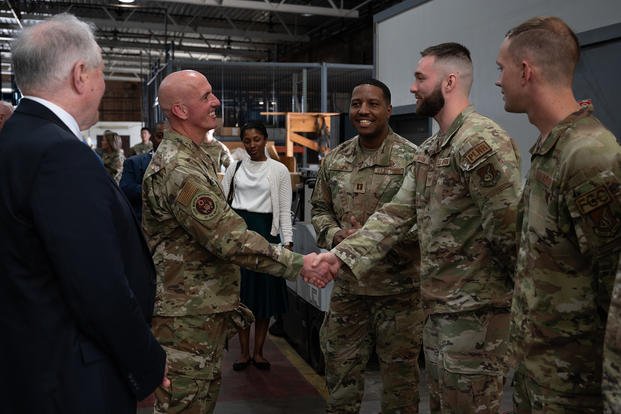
x=113 y=139
x=258 y=125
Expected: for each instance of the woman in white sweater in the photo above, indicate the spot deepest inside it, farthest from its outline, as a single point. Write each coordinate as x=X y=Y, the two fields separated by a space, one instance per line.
x=261 y=195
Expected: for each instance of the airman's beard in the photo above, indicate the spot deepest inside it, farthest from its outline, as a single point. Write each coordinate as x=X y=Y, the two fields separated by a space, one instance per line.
x=431 y=105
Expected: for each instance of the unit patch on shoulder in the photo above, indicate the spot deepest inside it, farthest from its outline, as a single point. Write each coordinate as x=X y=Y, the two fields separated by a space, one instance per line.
x=488 y=175
x=594 y=199
x=203 y=206
x=606 y=223
x=477 y=152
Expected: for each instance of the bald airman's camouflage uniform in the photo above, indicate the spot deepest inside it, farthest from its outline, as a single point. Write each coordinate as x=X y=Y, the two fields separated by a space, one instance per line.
x=381 y=310
x=570 y=224
x=198 y=243
x=219 y=153
x=462 y=193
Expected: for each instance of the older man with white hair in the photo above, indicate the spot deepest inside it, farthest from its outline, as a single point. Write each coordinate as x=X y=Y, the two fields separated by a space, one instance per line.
x=78 y=283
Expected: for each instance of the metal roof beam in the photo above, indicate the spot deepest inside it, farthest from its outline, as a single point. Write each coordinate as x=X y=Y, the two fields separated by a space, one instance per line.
x=280 y=7
x=242 y=34
x=107 y=24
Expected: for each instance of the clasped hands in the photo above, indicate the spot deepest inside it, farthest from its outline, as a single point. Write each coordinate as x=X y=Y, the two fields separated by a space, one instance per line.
x=320 y=269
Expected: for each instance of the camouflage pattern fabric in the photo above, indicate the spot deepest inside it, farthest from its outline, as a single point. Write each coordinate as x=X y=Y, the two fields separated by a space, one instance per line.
x=531 y=398
x=113 y=163
x=353 y=327
x=194 y=347
x=462 y=193
x=219 y=153
x=465 y=356
x=354 y=182
x=570 y=223
x=611 y=382
x=140 y=148
x=197 y=240
x=382 y=310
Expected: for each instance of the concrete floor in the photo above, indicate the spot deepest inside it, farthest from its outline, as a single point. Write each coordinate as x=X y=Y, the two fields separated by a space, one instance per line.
x=291 y=386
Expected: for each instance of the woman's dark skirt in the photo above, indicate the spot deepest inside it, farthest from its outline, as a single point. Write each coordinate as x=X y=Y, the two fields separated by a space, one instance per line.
x=264 y=294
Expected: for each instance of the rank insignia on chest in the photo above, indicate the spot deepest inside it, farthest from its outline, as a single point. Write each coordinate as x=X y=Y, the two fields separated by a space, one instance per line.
x=360 y=188
x=443 y=162
x=488 y=175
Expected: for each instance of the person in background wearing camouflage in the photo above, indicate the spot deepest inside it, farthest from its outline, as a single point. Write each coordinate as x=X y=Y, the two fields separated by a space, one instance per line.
x=112 y=154
x=463 y=194
x=142 y=147
x=569 y=221
x=381 y=310
x=197 y=241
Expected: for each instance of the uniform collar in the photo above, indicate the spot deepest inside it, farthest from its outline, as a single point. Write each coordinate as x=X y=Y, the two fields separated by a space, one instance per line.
x=444 y=139
x=545 y=144
x=381 y=157
x=174 y=136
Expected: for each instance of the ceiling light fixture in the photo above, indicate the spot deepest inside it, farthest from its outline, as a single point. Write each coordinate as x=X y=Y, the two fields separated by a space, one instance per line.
x=126 y=1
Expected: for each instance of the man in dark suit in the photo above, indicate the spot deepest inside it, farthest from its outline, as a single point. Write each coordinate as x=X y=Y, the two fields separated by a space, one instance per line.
x=134 y=168
x=77 y=282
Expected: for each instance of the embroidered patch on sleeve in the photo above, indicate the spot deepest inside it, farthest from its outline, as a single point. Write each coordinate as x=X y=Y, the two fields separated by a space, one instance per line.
x=188 y=191
x=203 y=207
x=488 y=175
x=592 y=200
x=477 y=152
x=606 y=223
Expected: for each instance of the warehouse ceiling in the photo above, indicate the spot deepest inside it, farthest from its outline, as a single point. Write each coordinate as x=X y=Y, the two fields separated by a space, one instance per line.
x=139 y=37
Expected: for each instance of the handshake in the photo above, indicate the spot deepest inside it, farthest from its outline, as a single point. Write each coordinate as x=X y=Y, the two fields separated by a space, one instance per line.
x=320 y=269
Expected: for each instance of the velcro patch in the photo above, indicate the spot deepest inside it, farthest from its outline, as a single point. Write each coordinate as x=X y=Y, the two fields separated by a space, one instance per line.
x=360 y=188
x=594 y=199
x=477 y=152
x=544 y=178
x=423 y=159
x=488 y=175
x=606 y=222
x=188 y=191
x=443 y=162
x=203 y=206
x=388 y=170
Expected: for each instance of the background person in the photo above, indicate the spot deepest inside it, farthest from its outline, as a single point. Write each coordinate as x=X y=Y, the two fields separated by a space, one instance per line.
x=133 y=172
x=382 y=310
x=112 y=154
x=144 y=146
x=569 y=226
x=75 y=327
x=261 y=195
